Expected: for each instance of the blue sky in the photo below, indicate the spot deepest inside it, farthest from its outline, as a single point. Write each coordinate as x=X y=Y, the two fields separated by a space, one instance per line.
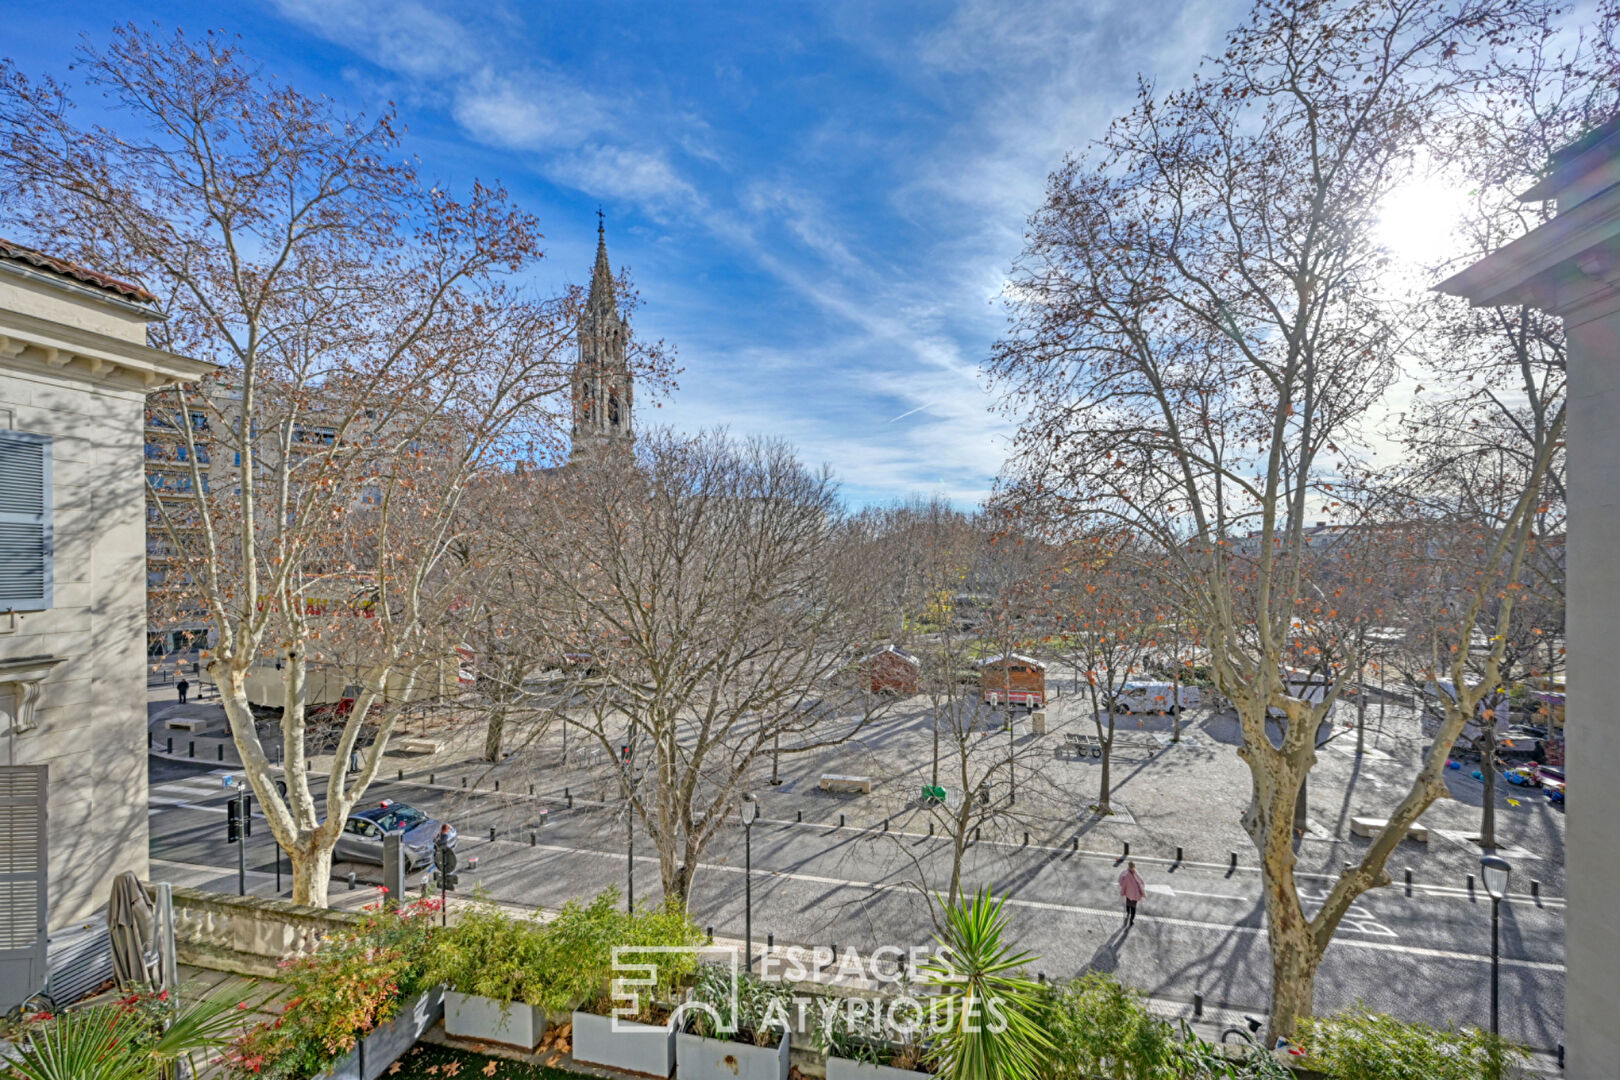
x=818 y=201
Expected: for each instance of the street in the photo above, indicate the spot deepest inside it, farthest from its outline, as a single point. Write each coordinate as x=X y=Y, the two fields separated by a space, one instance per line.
x=1422 y=953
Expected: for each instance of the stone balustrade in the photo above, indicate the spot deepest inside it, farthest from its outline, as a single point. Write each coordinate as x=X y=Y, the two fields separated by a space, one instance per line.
x=249 y=935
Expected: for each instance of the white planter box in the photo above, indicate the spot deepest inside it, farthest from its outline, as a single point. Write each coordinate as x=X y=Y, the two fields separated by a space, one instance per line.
x=844 y=1069
x=468 y=1016
x=388 y=1043
x=346 y=1067
x=625 y=1045
x=718 y=1059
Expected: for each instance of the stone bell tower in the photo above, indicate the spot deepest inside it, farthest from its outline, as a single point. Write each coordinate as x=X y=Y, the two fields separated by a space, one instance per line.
x=603 y=391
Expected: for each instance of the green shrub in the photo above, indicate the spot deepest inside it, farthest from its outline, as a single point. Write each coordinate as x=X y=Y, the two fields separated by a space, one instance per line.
x=764 y=1009
x=1099 y=1028
x=1361 y=1045
x=351 y=984
x=491 y=953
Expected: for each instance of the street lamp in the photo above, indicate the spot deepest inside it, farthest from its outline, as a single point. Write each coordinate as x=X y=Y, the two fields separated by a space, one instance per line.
x=749 y=812
x=1494 y=870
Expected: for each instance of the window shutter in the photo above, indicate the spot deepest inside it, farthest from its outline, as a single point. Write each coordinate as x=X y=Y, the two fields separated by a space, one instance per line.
x=22 y=882
x=26 y=569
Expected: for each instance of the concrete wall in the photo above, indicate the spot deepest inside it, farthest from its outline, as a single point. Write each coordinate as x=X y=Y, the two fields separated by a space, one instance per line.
x=1592 y=748
x=91 y=709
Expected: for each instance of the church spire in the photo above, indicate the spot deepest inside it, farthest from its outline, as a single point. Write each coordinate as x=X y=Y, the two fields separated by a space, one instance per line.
x=601 y=301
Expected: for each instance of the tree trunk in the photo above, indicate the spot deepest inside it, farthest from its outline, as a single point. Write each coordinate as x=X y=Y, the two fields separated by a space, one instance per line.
x=1107 y=759
x=1361 y=709
x=311 y=870
x=1487 y=769
x=492 y=734
x=1293 y=979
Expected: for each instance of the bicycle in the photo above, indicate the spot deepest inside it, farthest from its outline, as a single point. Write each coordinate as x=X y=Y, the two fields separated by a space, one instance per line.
x=1249 y=1036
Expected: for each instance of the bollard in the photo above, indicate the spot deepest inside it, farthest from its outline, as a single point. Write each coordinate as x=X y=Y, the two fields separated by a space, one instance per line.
x=431 y=778
x=1470 y=882
x=1535 y=888
x=1408 y=877
x=570 y=802
x=840 y=821
x=835 y=952
x=770 y=941
x=497 y=785
x=1233 y=856
x=464 y=781
x=351 y=881
x=1560 y=1055
x=531 y=789
x=1198 y=1004
x=975 y=834
x=711 y=935
x=1026 y=837
x=799 y=817
x=1178 y=853
x=1126 y=853
x=885 y=824
x=492 y=834
x=1074 y=843
x=1040 y=977
x=533 y=839
x=567 y=793
x=191 y=748
x=402 y=774
x=930 y=828
x=170 y=750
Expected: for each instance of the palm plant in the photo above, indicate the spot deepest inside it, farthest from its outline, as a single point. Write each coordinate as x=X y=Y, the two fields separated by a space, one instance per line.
x=991 y=1033
x=120 y=1041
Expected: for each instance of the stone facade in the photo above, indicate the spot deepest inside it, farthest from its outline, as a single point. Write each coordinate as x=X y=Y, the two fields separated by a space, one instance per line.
x=74 y=374
x=603 y=390
x=1570 y=266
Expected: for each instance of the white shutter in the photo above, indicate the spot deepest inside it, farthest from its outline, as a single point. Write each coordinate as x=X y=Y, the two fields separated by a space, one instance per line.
x=25 y=521
x=22 y=882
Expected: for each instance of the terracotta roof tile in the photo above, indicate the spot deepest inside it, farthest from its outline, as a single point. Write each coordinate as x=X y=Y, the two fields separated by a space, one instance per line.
x=40 y=261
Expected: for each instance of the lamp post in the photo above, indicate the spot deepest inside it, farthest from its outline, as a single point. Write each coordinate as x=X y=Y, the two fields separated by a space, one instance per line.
x=750 y=814
x=1494 y=870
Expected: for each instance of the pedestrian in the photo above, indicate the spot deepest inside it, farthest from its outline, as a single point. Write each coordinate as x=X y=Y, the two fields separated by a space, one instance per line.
x=182 y=686
x=1132 y=889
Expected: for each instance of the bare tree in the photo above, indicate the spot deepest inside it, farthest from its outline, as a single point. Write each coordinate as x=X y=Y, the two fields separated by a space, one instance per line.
x=1200 y=330
x=710 y=589
x=373 y=365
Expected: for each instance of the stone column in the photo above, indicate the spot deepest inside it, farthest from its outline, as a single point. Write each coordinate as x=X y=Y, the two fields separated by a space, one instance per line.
x=1571 y=267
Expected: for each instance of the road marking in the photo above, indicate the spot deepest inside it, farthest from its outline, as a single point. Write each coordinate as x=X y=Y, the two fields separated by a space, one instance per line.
x=1165 y=890
x=1045 y=905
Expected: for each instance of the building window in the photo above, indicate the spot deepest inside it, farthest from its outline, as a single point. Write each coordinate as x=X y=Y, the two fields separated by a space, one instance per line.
x=613 y=409
x=26 y=555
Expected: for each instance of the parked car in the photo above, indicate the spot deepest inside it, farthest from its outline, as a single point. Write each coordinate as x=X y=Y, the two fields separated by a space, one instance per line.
x=362 y=837
x=1551 y=779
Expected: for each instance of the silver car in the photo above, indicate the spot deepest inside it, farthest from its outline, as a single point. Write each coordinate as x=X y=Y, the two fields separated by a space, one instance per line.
x=362 y=836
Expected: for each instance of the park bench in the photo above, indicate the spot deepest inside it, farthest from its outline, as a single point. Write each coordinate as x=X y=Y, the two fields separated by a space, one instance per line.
x=840 y=782
x=1371 y=826
x=933 y=795
x=192 y=724
x=417 y=746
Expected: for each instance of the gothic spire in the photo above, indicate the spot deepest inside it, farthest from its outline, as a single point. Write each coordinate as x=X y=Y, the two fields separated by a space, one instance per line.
x=601 y=301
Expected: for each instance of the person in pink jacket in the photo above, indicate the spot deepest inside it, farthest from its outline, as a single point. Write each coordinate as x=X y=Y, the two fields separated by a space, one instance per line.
x=1132 y=889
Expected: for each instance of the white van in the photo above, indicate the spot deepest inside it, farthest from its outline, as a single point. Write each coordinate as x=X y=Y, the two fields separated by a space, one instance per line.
x=1156 y=697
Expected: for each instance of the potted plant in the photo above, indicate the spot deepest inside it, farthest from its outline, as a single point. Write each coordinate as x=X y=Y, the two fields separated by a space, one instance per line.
x=991 y=1033
x=492 y=965
x=736 y=1027
x=146 y=1034
x=352 y=1007
x=884 y=1043
x=609 y=1029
